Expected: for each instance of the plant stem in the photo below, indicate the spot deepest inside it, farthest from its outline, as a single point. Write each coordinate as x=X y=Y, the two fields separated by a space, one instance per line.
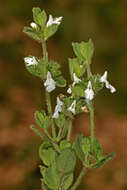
x=59 y=134
x=69 y=130
x=79 y=179
x=48 y=99
x=91 y=109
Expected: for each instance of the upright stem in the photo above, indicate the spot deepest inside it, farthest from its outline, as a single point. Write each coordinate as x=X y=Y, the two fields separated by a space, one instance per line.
x=91 y=108
x=79 y=179
x=69 y=130
x=48 y=98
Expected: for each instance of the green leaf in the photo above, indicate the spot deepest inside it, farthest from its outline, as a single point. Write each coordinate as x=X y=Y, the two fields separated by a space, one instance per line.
x=48 y=156
x=77 y=50
x=87 y=50
x=60 y=121
x=64 y=144
x=51 y=178
x=60 y=81
x=54 y=68
x=49 y=31
x=34 y=128
x=66 y=161
x=78 y=91
x=77 y=147
x=38 y=70
x=35 y=34
x=86 y=145
x=42 y=120
x=97 y=150
x=76 y=67
x=84 y=50
x=39 y=16
x=104 y=160
x=66 y=181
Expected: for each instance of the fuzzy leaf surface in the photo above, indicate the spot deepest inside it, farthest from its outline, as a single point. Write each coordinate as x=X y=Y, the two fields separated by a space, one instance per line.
x=66 y=161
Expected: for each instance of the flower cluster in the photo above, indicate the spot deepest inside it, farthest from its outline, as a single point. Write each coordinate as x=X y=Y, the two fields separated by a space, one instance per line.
x=50 y=22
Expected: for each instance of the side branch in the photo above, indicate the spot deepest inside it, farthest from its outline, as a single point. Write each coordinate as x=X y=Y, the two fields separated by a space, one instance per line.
x=79 y=179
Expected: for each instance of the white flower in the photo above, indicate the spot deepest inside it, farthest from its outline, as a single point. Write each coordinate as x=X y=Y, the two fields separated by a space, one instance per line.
x=54 y=20
x=107 y=84
x=58 y=108
x=104 y=77
x=69 y=91
x=72 y=107
x=50 y=84
x=76 y=79
x=30 y=61
x=89 y=93
x=33 y=25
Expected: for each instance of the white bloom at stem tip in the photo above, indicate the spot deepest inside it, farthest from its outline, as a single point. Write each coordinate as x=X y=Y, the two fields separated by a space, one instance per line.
x=58 y=108
x=107 y=84
x=76 y=79
x=72 y=107
x=50 y=84
x=33 y=25
x=54 y=20
x=30 y=61
x=89 y=93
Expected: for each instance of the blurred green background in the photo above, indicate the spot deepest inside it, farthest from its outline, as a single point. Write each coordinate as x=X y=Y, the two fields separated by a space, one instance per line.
x=105 y=21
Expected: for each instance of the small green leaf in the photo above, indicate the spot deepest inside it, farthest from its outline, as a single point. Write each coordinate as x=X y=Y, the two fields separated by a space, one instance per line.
x=48 y=156
x=77 y=147
x=84 y=50
x=60 y=121
x=97 y=150
x=39 y=17
x=60 y=81
x=42 y=120
x=103 y=160
x=38 y=70
x=65 y=162
x=64 y=144
x=35 y=34
x=77 y=50
x=54 y=68
x=76 y=67
x=66 y=181
x=49 y=31
x=86 y=145
x=34 y=128
x=51 y=178
x=78 y=91
x=87 y=50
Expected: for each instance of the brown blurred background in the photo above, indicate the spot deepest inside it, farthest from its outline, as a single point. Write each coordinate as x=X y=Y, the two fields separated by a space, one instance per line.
x=105 y=21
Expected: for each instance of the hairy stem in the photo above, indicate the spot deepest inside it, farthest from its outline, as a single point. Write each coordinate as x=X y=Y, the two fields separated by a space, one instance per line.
x=48 y=98
x=69 y=130
x=79 y=179
x=91 y=109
